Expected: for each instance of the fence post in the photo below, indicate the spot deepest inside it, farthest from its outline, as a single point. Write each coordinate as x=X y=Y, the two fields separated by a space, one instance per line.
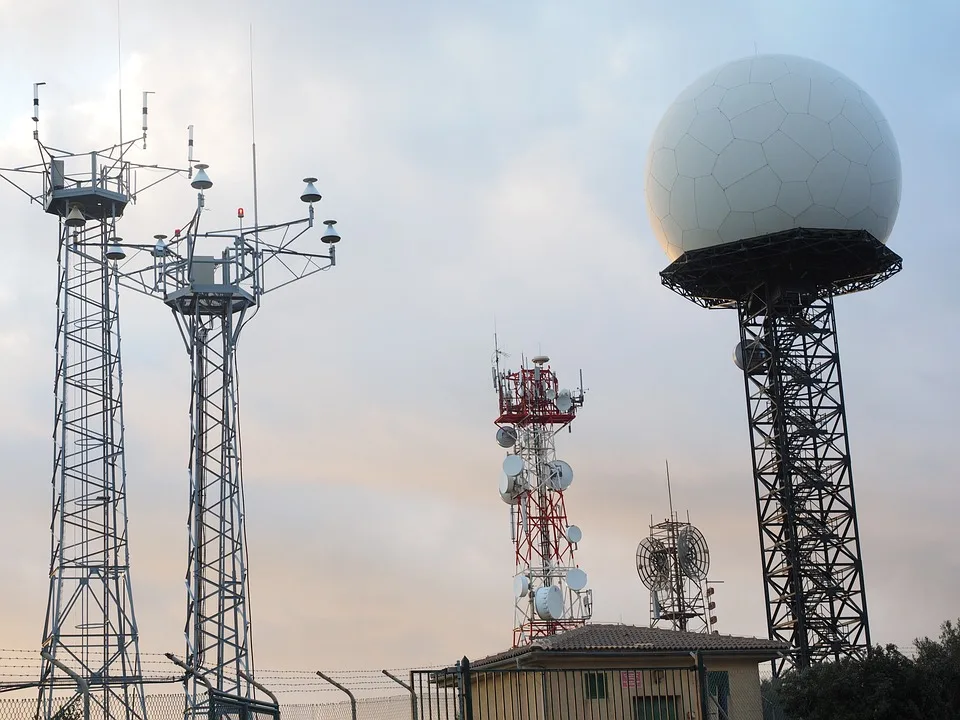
x=353 y=700
x=82 y=686
x=702 y=683
x=408 y=688
x=467 y=688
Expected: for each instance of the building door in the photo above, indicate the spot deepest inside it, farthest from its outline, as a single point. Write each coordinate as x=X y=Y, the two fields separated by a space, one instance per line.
x=662 y=707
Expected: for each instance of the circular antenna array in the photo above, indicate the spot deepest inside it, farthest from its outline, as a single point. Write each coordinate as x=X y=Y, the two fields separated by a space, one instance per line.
x=548 y=602
x=513 y=465
x=693 y=554
x=564 y=401
x=574 y=534
x=521 y=586
x=506 y=436
x=560 y=477
x=576 y=579
x=653 y=564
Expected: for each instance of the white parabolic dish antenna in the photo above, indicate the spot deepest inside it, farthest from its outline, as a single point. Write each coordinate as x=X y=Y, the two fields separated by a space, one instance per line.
x=508 y=490
x=548 y=602
x=513 y=465
x=561 y=475
x=506 y=436
x=521 y=585
x=766 y=144
x=576 y=579
x=574 y=534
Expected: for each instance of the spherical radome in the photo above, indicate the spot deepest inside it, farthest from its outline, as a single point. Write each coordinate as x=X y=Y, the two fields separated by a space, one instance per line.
x=766 y=144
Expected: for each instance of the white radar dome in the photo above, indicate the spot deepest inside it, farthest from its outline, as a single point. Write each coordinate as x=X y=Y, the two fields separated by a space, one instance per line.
x=766 y=144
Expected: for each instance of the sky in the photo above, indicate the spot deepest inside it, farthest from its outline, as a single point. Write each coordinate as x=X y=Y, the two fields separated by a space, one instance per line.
x=485 y=163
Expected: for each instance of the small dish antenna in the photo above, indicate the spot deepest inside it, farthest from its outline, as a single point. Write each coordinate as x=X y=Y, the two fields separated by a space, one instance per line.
x=561 y=475
x=750 y=356
x=576 y=579
x=509 y=490
x=564 y=401
x=521 y=586
x=506 y=436
x=551 y=394
x=548 y=602
x=574 y=534
x=513 y=465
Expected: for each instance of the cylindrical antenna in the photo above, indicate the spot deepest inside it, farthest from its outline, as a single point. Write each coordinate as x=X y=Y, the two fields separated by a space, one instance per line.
x=145 y=93
x=36 y=109
x=190 y=151
x=513 y=525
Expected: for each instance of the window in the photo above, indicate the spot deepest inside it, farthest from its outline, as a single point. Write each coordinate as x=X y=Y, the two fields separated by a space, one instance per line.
x=595 y=685
x=658 y=707
x=718 y=685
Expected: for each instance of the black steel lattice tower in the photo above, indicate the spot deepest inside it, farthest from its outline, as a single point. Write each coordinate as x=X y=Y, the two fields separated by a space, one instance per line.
x=783 y=286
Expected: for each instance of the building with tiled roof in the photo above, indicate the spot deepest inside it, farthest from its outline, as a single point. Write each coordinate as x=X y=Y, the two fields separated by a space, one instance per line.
x=607 y=670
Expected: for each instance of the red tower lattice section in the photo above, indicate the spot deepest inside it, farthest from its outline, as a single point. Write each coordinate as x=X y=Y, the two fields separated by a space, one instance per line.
x=549 y=588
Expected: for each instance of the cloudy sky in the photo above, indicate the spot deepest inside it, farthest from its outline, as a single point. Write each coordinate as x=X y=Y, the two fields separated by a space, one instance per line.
x=485 y=161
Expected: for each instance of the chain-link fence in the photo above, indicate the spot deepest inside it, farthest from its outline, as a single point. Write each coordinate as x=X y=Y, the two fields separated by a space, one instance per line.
x=170 y=707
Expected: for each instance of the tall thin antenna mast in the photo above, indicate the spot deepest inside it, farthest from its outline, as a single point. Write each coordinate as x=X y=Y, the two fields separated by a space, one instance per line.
x=119 y=75
x=669 y=491
x=253 y=137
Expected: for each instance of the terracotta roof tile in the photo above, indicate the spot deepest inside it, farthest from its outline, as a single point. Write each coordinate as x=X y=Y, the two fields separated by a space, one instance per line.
x=610 y=637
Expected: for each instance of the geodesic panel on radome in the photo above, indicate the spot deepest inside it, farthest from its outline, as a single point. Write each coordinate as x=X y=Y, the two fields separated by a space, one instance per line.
x=766 y=144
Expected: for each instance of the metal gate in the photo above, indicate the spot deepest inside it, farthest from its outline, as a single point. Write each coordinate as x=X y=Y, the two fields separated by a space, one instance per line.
x=601 y=693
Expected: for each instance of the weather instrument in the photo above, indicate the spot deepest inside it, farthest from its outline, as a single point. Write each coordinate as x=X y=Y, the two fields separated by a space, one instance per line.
x=550 y=590
x=773 y=183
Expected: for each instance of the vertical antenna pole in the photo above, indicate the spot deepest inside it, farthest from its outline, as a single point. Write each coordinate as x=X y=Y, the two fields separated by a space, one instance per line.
x=120 y=76
x=36 y=110
x=669 y=491
x=145 y=93
x=253 y=137
x=189 y=151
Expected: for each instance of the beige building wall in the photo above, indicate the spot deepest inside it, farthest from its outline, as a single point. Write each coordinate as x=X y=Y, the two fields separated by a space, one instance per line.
x=564 y=695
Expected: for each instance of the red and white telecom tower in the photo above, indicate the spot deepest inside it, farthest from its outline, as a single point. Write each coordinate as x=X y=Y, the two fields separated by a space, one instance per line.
x=549 y=589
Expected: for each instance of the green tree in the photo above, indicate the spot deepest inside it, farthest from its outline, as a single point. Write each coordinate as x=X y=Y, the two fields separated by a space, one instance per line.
x=938 y=663
x=886 y=685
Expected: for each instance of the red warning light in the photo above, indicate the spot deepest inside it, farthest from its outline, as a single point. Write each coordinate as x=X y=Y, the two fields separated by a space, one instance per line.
x=176 y=233
x=239 y=212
